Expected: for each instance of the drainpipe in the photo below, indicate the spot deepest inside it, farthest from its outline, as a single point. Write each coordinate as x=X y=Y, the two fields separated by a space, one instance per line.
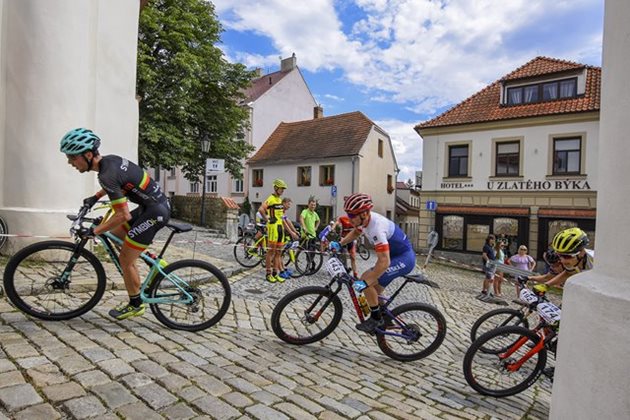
x=354 y=158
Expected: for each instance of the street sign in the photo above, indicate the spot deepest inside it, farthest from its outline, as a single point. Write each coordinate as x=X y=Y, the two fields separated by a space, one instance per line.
x=214 y=165
x=333 y=191
x=431 y=205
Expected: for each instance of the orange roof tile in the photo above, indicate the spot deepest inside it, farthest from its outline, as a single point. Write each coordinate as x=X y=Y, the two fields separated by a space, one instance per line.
x=484 y=106
x=327 y=137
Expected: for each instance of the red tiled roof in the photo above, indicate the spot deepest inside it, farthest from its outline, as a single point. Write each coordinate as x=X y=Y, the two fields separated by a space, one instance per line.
x=401 y=185
x=484 y=106
x=263 y=84
x=229 y=203
x=327 y=137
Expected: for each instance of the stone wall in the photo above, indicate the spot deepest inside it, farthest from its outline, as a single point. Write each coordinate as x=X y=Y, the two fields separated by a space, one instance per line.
x=217 y=215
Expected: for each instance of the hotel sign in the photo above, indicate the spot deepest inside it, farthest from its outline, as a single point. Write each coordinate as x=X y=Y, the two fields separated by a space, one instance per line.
x=455 y=185
x=530 y=185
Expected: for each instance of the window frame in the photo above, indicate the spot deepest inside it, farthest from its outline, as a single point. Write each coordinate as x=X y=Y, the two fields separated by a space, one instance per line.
x=449 y=149
x=554 y=141
x=515 y=156
x=211 y=184
x=380 y=148
x=540 y=91
x=258 y=177
x=326 y=174
x=238 y=185
x=300 y=176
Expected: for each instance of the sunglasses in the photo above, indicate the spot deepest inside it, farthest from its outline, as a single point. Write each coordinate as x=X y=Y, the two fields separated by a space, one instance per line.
x=352 y=216
x=567 y=256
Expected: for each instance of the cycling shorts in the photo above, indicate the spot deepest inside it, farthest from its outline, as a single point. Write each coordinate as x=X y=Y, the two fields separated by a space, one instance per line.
x=398 y=266
x=351 y=248
x=275 y=233
x=145 y=223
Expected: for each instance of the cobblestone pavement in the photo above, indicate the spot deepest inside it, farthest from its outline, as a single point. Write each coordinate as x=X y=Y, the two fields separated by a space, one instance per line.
x=138 y=369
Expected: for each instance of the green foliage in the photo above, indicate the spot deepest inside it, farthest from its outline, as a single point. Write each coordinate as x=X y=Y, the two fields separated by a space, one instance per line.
x=188 y=89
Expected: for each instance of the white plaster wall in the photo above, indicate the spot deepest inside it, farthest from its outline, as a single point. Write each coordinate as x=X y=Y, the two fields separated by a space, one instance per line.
x=536 y=151
x=373 y=171
x=67 y=63
x=592 y=378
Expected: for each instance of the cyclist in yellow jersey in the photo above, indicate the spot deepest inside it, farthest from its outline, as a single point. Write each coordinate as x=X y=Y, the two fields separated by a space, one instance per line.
x=272 y=211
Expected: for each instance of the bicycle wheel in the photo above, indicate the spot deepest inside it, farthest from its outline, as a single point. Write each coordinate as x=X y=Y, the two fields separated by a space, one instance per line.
x=363 y=252
x=497 y=376
x=32 y=280
x=208 y=286
x=305 y=315
x=289 y=258
x=246 y=252
x=416 y=331
x=495 y=319
x=4 y=230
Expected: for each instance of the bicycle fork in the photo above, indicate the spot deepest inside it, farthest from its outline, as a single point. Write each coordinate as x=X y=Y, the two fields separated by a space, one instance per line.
x=513 y=367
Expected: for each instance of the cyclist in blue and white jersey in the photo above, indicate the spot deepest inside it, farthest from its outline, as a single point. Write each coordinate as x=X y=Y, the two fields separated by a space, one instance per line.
x=395 y=256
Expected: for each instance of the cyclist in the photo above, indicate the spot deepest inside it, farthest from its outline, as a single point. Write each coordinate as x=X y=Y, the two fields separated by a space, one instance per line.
x=271 y=211
x=122 y=181
x=323 y=235
x=346 y=227
x=394 y=255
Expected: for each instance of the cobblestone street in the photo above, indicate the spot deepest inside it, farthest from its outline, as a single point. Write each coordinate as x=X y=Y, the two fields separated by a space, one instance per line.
x=94 y=366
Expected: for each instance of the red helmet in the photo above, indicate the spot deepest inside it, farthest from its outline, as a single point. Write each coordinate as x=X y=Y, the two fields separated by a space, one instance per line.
x=357 y=203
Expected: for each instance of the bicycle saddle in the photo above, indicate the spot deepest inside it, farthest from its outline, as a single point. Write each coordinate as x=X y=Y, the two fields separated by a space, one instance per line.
x=179 y=227
x=421 y=279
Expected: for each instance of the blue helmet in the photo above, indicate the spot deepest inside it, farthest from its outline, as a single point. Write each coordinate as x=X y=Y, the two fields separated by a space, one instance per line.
x=78 y=141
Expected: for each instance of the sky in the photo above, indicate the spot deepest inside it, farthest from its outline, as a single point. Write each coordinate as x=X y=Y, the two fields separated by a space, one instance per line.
x=402 y=62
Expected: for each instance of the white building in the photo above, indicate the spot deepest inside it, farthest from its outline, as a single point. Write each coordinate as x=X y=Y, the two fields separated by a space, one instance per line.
x=281 y=96
x=329 y=158
x=518 y=158
x=408 y=212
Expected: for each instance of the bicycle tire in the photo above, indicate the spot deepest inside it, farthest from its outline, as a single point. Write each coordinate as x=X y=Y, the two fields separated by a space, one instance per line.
x=363 y=252
x=46 y=256
x=288 y=263
x=495 y=372
x=495 y=319
x=201 y=272
x=4 y=230
x=413 y=330
x=242 y=255
x=282 y=317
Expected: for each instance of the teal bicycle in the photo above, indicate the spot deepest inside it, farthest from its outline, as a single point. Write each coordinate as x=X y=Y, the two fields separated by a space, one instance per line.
x=59 y=280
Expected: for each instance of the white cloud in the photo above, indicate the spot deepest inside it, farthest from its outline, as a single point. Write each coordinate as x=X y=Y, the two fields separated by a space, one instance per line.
x=407 y=146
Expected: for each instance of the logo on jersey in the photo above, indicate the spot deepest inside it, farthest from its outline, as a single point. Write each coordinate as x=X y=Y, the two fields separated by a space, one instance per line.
x=124 y=165
x=142 y=227
x=397 y=267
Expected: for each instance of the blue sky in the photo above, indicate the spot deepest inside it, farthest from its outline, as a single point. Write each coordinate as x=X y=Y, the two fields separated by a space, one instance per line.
x=401 y=62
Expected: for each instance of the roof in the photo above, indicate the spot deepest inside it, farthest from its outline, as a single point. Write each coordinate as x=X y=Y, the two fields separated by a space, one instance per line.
x=327 y=137
x=485 y=106
x=262 y=84
x=404 y=208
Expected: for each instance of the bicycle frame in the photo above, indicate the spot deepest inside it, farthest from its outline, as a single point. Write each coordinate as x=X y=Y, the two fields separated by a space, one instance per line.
x=545 y=332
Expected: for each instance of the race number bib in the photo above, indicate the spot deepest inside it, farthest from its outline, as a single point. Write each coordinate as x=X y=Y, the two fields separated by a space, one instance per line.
x=549 y=312
x=335 y=267
x=528 y=296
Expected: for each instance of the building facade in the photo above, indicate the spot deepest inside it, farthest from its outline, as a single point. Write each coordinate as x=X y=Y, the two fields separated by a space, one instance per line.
x=518 y=158
x=408 y=212
x=328 y=158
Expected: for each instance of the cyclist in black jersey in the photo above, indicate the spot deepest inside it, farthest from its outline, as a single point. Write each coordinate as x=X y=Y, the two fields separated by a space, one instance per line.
x=122 y=181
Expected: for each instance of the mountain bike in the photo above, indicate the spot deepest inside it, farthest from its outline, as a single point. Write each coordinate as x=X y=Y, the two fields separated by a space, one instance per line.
x=412 y=331
x=249 y=252
x=309 y=258
x=505 y=316
x=362 y=249
x=59 y=280
x=518 y=355
x=4 y=230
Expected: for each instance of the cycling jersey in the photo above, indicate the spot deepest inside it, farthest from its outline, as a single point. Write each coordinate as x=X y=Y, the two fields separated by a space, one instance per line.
x=275 y=210
x=346 y=225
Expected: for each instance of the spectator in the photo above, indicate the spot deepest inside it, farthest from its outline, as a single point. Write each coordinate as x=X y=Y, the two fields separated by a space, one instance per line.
x=487 y=254
x=522 y=260
x=499 y=249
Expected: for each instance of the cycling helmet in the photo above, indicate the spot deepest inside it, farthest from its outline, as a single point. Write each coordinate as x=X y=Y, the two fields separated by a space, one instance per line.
x=278 y=183
x=569 y=241
x=551 y=257
x=78 y=141
x=357 y=203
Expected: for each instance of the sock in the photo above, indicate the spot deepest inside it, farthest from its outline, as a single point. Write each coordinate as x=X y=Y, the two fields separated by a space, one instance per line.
x=275 y=273
x=135 y=300
x=375 y=312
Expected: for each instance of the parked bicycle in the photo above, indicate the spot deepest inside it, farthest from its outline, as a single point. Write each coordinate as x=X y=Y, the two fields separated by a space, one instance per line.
x=412 y=331
x=58 y=280
x=4 y=230
x=509 y=359
x=362 y=249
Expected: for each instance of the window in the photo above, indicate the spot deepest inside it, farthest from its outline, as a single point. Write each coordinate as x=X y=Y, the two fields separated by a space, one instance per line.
x=468 y=232
x=453 y=229
x=380 y=148
x=172 y=173
x=476 y=236
x=567 y=155
x=508 y=159
x=237 y=185
x=211 y=183
x=390 y=184
x=327 y=175
x=325 y=215
x=458 y=161
x=547 y=91
x=388 y=214
x=304 y=176
x=194 y=187
x=257 y=178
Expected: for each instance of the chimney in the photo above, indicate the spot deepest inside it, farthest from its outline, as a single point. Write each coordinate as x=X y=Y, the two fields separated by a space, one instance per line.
x=318 y=112
x=258 y=72
x=288 y=64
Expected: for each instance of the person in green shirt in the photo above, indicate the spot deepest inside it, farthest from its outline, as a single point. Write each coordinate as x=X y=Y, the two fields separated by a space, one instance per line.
x=309 y=220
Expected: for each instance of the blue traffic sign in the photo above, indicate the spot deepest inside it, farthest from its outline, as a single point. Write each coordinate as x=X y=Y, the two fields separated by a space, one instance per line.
x=333 y=191
x=431 y=205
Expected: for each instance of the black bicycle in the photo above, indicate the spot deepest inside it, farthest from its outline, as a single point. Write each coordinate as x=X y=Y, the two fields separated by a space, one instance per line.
x=4 y=230
x=412 y=331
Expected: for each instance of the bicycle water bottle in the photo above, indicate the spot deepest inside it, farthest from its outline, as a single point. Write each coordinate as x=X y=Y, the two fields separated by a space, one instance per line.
x=363 y=304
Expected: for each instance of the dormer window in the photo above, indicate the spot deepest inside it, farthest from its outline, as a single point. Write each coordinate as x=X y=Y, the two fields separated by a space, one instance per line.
x=541 y=92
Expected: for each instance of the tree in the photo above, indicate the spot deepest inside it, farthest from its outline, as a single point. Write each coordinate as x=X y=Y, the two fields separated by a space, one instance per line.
x=188 y=89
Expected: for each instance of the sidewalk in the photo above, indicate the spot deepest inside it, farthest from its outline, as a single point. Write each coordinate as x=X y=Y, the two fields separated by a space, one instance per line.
x=94 y=366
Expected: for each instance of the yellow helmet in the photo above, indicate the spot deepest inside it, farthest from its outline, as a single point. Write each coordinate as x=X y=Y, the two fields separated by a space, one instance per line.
x=278 y=183
x=569 y=241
